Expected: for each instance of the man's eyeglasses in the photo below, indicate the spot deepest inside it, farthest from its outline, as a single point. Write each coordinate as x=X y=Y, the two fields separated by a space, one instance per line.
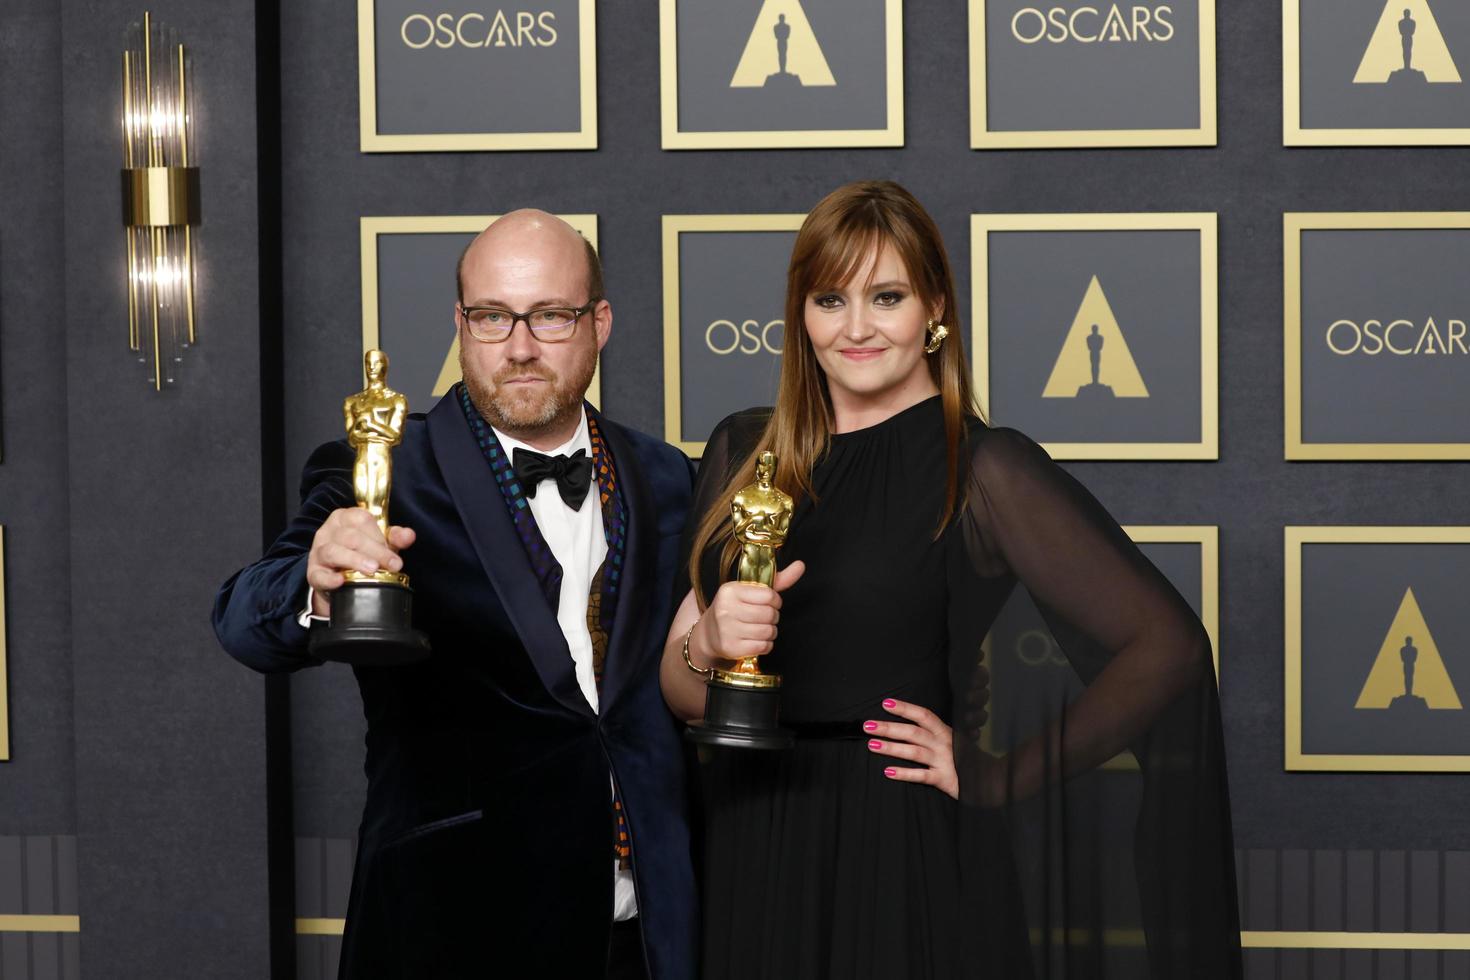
x=549 y=324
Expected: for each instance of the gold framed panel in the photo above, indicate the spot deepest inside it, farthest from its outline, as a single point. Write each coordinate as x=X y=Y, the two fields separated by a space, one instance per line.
x=983 y=138
x=4 y=663
x=674 y=138
x=1206 y=223
x=675 y=225
x=585 y=138
x=1292 y=132
x=1293 y=224
x=1296 y=759
x=372 y=227
x=1207 y=536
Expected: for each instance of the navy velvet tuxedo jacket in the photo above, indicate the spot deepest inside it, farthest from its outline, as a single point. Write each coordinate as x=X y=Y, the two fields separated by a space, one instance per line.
x=486 y=840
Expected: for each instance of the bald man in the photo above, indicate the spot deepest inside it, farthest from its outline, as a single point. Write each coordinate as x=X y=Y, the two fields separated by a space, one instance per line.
x=525 y=806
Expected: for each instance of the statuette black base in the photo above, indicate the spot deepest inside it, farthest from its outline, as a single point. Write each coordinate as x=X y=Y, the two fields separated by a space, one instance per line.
x=741 y=718
x=370 y=627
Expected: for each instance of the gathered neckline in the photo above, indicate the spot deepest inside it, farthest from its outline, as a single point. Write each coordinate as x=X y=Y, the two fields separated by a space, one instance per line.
x=914 y=409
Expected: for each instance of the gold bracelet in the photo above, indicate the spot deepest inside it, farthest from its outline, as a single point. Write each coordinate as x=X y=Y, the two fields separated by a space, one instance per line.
x=704 y=672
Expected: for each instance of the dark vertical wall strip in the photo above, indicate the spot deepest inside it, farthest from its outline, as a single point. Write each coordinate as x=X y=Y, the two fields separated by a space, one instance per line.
x=36 y=785
x=279 y=829
x=165 y=501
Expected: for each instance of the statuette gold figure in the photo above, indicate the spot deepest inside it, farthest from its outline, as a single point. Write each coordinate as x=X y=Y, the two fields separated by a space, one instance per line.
x=762 y=517
x=374 y=418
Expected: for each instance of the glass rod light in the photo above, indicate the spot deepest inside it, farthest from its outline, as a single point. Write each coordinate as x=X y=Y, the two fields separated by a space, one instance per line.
x=160 y=188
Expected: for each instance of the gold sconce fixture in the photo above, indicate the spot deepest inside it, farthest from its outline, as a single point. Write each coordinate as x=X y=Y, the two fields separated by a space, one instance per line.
x=160 y=187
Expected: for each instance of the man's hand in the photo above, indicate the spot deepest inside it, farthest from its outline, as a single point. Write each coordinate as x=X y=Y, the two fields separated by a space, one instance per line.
x=349 y=540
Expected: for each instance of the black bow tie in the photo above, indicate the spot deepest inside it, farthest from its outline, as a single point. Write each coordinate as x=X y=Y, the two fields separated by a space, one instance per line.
x=573 y=474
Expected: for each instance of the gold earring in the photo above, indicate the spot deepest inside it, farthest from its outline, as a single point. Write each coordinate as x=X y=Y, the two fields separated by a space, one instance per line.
x=934 y=339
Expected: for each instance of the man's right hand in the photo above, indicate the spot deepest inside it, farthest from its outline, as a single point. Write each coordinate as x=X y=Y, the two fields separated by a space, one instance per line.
x=741 y=620
x=349 y=540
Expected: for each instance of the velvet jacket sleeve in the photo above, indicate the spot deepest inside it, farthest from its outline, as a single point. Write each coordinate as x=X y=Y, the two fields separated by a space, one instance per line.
x=255 y=611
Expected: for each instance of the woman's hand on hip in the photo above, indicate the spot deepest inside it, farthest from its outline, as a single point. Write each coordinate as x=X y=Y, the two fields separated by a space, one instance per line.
x=926 y=741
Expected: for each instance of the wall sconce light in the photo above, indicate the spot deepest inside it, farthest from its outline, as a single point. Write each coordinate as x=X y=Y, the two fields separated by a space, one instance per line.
x=160 y=188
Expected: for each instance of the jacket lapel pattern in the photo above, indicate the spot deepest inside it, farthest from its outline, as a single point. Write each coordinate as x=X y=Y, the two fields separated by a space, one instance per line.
x=543 y=562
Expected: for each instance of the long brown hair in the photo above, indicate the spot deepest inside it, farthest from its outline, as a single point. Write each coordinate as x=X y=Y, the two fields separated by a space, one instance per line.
x=836 y=239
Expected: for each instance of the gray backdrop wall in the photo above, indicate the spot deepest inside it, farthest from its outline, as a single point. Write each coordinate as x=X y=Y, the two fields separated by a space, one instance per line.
x=139 y=767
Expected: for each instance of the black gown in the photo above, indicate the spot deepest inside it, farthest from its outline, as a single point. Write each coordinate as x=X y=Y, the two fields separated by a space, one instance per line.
x=816 y=865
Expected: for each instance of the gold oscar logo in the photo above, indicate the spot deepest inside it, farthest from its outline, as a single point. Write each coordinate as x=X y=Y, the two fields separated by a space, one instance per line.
x=1095 y=361
x=1398 y=338
x=724 y=337
x=782 y=51
x=475 y=30
x=1087 y=24
x=1408 y=673
x=1407 y=48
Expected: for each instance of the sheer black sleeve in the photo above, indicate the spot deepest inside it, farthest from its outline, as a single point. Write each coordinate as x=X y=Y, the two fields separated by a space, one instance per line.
x=1095 y=792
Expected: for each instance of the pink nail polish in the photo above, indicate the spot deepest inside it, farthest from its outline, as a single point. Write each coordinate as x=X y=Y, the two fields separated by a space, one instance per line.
x=874 y=744
x=889 y=772
x=870 y=726
x=889 y=702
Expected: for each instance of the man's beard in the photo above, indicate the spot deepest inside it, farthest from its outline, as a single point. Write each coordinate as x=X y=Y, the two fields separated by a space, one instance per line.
x=527 y=413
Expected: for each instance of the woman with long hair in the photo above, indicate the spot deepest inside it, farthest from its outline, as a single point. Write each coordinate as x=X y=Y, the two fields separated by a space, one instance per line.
x=925 y=825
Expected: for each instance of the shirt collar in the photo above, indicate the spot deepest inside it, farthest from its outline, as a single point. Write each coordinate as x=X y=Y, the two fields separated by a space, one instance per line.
x=582 y=439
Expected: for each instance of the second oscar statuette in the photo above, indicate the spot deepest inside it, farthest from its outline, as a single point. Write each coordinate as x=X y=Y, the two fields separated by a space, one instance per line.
x=372 y=615
x=742 y=704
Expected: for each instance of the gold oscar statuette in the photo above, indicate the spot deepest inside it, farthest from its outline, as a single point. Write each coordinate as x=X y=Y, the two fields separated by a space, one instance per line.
x=742 y=704
x=372 y=615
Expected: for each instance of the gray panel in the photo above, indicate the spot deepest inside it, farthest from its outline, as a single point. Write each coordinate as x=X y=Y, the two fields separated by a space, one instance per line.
x=1350 y=597
x=1261 y=911
x=1327 y=891
x=1262 y=964
x=1393 y=892
x=309 y=958
x=40 y=871
x=434 y=75
x=713 y=38
x=731 y=323
x=1425 y=911
x=1295 y=963
x=1366 y=296
x=1038 y=284
x=45 y=956
x=71 y=960
x=1359 y=964
x=1325 y=964
x=14 y=955
x=309 y=878
x=331 y=954
x=1043 y=75
x=1457 y=891
x=1392 y=964
x=336 y=876
x=12 y=877
x=1335 y=35
x=1424 y=965
x=1296 y=878
x=66 y=875
x=1361 y=896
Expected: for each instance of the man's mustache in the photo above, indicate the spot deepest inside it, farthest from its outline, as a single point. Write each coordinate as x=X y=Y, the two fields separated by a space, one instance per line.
x=504 y=377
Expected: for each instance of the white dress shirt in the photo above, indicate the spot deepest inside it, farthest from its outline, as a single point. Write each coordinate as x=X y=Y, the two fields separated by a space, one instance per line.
x=579 y=545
